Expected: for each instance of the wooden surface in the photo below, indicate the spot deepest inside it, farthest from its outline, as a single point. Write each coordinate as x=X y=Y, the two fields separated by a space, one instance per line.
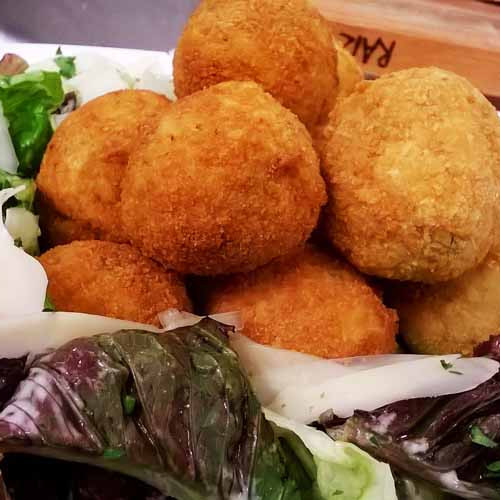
x=387 y=35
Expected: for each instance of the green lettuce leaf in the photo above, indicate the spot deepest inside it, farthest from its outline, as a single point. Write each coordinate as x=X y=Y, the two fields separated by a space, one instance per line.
x=18 y=215
x=337 y=470
x=26 y=197
x=23 y=226
x=28 y=100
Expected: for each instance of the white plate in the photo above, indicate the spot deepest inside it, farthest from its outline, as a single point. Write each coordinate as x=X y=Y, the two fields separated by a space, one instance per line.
x=133 y=58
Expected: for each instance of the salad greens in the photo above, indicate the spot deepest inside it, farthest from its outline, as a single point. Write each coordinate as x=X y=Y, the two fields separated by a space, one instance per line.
x=338 y=469
x=451 y=441
x=27 y=100
x=17 y=212
x=176 y=412
x=66 y=64
x=23 y=278
x=26 y=103
x=26 y=197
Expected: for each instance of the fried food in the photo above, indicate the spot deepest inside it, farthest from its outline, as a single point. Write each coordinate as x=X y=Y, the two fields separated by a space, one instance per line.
x=454 y=316
x=412 y=168
x=310 y=302
x=285 y=45
x=83 y=166
x=349 y=72
x=111 y=279
x=59 y=230
x=228 y=182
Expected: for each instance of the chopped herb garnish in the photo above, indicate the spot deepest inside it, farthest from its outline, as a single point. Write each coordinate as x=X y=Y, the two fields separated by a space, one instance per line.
x=66 y=66
x=373 y=440
x=18 y=242
x=446 y=365
x=479 y=437
x=129 y=404
x=494 y=466
x=113 y=453
x=48 y=305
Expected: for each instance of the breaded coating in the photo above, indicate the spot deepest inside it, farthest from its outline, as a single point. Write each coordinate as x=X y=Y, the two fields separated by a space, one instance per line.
x=59 y=230
x=349 y=72
x=84 y=162
x=412 y=168
x=111 y=279
x=310 y=302
x=285 y=45
x=228 y=182
x=453 y=316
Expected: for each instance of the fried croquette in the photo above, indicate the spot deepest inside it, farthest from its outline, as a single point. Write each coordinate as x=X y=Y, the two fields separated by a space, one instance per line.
x=111 y=279
x=83 y=166
x=454 y=316
x=59 y=230
x=310 y=302
x=349 y=72
x=284 y=45
x=411 y=165
x=228 y=182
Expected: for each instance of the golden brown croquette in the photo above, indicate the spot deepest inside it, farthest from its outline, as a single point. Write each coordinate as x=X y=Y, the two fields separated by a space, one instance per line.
x=84 y=163
x=412 y=167
x=454 y=316
x=284 y=45
x=310 y=302
x=111 y=279
x=228 y=182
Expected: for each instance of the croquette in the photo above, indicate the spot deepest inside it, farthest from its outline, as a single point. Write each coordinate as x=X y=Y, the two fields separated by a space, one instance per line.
x=310 y=302
x=84 y=162
x=59 y=230
x=228 y=182
x=349 y=72
x=411 y=165
x=284 y=45
x=454 y=316
x=111 y=279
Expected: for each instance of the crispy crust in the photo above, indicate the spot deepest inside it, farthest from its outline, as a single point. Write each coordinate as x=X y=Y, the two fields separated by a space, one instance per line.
x=349 y=74
x=83 y=166
x=228 y=182
x=348 y=70
x=285 y=45
x=111 y=279
x=59 y=230
x=412 y=168
x=310 y=302
x=453 y=316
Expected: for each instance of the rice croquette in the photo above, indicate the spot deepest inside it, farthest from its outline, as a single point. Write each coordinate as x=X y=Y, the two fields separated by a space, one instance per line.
x=310 y=302
x=228 y=182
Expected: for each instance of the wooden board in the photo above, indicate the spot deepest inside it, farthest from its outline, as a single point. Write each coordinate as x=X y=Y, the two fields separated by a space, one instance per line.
x=387 y=35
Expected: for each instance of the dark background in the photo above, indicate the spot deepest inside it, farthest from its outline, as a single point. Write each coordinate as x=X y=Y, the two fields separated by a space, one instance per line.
x=146 y=24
